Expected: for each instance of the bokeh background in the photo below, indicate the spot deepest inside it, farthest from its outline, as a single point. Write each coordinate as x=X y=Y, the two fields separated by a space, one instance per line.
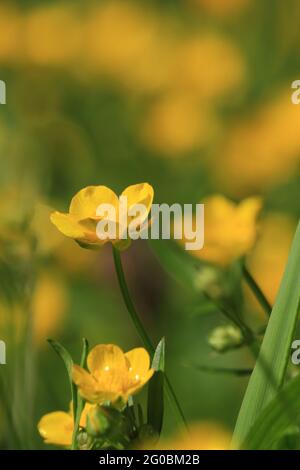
x=192 y=96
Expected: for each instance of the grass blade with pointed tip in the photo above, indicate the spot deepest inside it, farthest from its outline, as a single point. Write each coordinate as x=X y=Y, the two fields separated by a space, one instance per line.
x=68 y=362
x=155 y=411
x=275 y=418
x=80 y=401
x=275 y=348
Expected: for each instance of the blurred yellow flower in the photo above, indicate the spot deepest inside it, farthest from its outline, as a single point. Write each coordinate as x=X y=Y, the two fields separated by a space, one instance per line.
x=81 y=221
x=10 y=39
x=57 y=427
x=114 y=375
x=262 y=150
x=176 y=124
x=268 y=259
x=124 y=41
x=222 y=7
x=200 y=436
x=52 y=35
x=45 y=315
x=230 y=229
x=207 y=66
x=48 y=306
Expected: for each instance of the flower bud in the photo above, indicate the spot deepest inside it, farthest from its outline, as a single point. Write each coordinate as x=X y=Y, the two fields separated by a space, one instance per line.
x=224 y=338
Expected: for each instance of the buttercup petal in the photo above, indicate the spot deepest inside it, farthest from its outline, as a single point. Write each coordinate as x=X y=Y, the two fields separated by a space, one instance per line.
x=56 y=428
x=139 y=362
x=249 y=209
x=86 y=384
x=141 y=193
x=135 y=387
x=67 y=224
x=85 y=203
x=106 y=357
x=85 y=411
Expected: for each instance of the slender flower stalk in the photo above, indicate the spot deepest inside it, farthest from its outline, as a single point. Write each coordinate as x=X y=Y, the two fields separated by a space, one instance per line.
x=142 y=331
x=257 y=291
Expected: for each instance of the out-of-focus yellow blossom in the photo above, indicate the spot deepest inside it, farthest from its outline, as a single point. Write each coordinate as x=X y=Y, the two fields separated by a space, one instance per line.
x=114 y=375
x=262 y=150
x=207 y=67
x=10 y=27
x=57 y=427
x=49 y=306
x=230 y=229
x=46 y=313
x=124 y=42
x=52 y=35
x=81 y=221
x=268 y=259
x=200 y=436
x=177 y=124
x=222 y=7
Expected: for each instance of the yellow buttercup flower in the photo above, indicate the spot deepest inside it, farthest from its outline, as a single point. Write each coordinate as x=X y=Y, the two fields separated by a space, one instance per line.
x=80 y=223
x=57 y=427
x=229 y=229
x=113 y=375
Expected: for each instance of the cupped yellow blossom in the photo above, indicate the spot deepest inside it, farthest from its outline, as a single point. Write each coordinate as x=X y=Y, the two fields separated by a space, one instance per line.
x=57 y=427
x=80 y=223
x=230 y=229
x=113 y=375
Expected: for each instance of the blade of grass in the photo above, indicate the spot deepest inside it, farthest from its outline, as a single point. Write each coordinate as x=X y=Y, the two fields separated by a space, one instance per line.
x=274 y=419
x=275 y=348
x=80 y=401
x=265 y=304
x=155 y=412
x=68 y=362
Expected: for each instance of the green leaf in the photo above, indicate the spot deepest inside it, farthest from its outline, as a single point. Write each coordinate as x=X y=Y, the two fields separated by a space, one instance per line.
x=68 y=362
x=80 y=401
x=270 y=368
x=276 y=418
x=155 y=411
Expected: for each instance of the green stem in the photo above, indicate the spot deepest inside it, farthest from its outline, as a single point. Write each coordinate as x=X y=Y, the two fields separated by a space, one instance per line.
x=257 y=291
x=141 y=330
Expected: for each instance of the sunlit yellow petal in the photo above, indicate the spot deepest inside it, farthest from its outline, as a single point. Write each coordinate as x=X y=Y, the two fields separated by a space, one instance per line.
x=141 y=193
x=86 y=384
x=56 y=428
x=85 y=203
x=249 y=209
x=88 y=407
x=139 y=362
x=106 y=357
x=67 y=224
x=139 y=382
